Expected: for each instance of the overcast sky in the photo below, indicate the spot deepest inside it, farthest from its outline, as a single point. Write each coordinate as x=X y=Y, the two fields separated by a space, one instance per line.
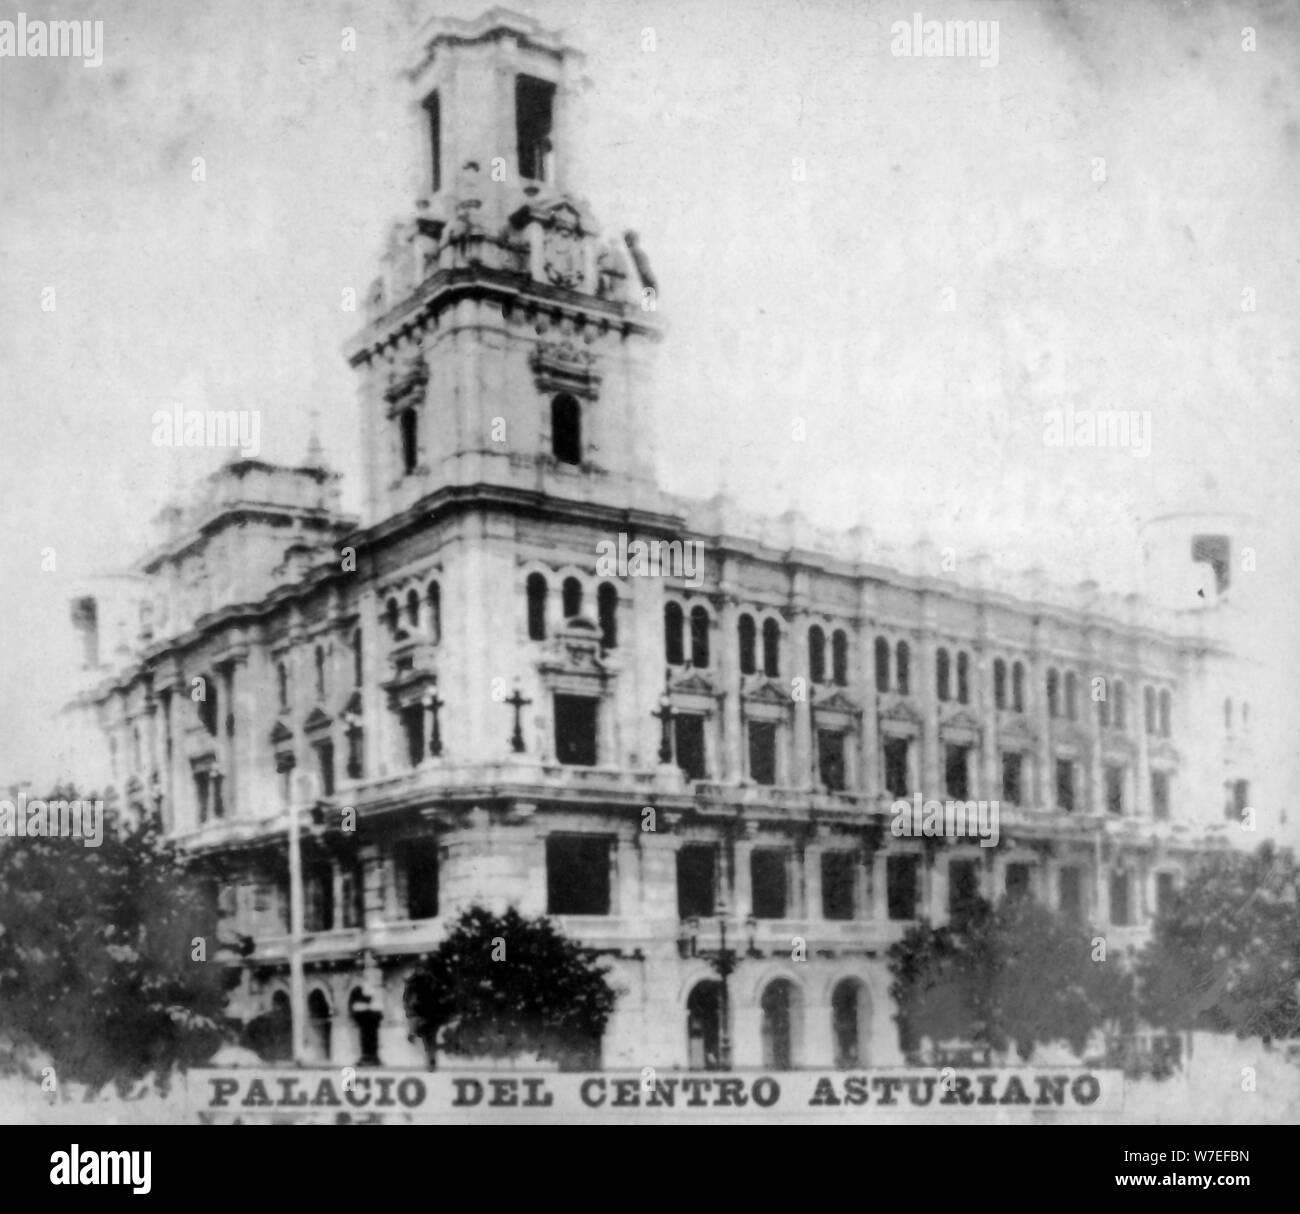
x=958 y=249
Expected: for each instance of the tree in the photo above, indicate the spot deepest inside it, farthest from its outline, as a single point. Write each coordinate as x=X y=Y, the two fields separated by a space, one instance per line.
x=500 y=986
x=1018 y=975
x=97 y=954
x=1225 y=954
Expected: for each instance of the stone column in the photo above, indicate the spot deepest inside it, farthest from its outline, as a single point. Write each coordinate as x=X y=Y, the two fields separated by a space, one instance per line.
x=812 y=881
x=1143 y=775
x=742 y=896
x=923 y=675
x=1036 y=703
x=801 y=751
x=731 y=768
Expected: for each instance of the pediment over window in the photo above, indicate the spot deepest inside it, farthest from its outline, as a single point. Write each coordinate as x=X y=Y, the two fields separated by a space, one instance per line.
x=317 y=721
x=575 y=652
x=1017 y=732
x=961 y=720
x=694 y=684
x=564 y=366
x=406 y=380
x=281 y=734
x=838 y=702
x=768 y=693
x=353 y=708
x=902 y=711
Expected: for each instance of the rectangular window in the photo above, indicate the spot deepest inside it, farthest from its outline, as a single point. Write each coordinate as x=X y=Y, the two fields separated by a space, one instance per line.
x=356 y=754
x=767 y=873
x=695 y=881
x=577 y=875
x=838 y=873
x=201 y=795
x=413 y=730
x=417 y=866
x=1012 y=765
x=1071 y=902
x=1164 y=892
x=1019 y=881
x=963 y=885
x=575 y=730
x=318 y=898
x=830 y=759
x=350 y=890
x=955 y=772
x=534 y=112
x=762 y=752
x=1119 y=908
x=325 y=764
x=1240 y=798
x=901 y=880
x=689 y=731
x=1159 y=794
x=434 y=112
x=896 y=781
x=1114 y=789
x=1065 y=785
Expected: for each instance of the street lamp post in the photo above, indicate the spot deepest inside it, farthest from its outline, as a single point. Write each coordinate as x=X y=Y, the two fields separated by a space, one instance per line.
x=723 y=961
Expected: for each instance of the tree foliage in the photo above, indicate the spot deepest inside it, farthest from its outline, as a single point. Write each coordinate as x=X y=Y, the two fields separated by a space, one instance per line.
x=1225 y=955
x=502 y=985
x=1015 y=976
x=96 y=947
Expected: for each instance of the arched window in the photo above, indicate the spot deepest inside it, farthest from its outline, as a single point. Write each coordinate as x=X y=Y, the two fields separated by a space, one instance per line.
x=282 y=685
x=851 y=1024
x=903 y=668
x=1053 y=694
x=1227 y=714
x=771 y=648
x=1149 y=708
x=1120 y=696
x=566 y=429
x=781 y=1008
x=1018 y=687
x=392 y=620
x=1166 y=710
x=703 y=1027
x=699 y=638
x=673 y=634
x=320 y=673
x=536 y=592
x=963 y=677
x=410 y=425
x=999 y=683
x=816 y=654
x=746 y=635
x=882 y=665
x=1071 y=696
x=413 y=609
x=358 y=663
x=1103 y=707
x=571 y=597
x=943 y=674
x=607 y=610
x=435 y=612
x=840 y=658
x=318 y=1023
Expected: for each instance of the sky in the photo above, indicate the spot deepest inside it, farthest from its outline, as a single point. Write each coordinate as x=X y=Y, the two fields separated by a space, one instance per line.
x=878 y=273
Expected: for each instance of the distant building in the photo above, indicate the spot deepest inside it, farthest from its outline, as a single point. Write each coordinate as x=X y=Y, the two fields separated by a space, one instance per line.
x=509 y=720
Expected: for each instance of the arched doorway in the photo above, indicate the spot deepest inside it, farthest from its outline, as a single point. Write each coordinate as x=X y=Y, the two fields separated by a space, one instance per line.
x=782 y=1011
x=319 y=1027
x=704 y=1027
x=851 y=1023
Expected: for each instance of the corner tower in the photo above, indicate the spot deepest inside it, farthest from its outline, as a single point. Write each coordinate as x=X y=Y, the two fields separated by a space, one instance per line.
x=508 y=340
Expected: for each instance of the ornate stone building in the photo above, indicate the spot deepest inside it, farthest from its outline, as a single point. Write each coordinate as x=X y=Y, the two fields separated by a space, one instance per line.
x=466 y=705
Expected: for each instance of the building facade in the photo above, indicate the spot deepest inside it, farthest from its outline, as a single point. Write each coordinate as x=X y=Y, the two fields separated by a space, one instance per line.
x=467 y=697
